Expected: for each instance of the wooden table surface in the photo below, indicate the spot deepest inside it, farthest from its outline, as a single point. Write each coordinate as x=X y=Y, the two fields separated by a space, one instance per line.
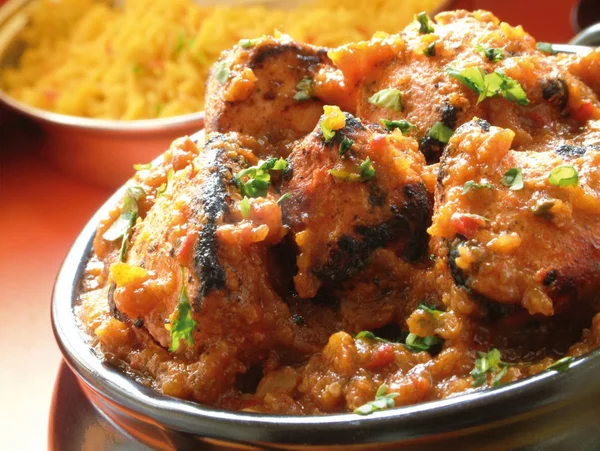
x=41 y=212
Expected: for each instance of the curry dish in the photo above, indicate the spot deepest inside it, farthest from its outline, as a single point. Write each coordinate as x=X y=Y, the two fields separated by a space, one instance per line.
x=380 y=224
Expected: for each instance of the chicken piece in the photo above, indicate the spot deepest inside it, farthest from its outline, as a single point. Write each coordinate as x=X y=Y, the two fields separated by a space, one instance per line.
x=272 y=89
x=415 y=65
x=343 y=207
x=198 y=235
x=520 y=227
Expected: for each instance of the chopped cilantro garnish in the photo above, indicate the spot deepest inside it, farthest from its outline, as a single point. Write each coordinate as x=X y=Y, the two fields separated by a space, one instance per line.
x=137 y=69
x=381 y=402
x=492 y=54
x=248 y=43
x=366 y=172
x=163 y=187
x=390 y=98
x=403 y=125
x=345 y=145
x=258 y=176
x=565 y=175
x=183 y=327
x=283 y=198
x=221 y=71
x=429 y=309
x=488 y=363
x=471 y=184
x=418 y=344
x=440 y=132
x=180 y=42
x=561 y=365
x=368 y=335
x=305 y=88
x=142 y=166
x=546 y=47
x=333 y=119
x=121 y=228
x=425 y=23
x=430 y=50
x=490 y=85
x=245 y=207
x=514 y=179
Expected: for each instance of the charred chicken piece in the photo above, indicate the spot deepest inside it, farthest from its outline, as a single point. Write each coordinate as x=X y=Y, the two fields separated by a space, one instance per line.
x=195 y=276
x=519 y=228
x=271 y=90
x=352 y=193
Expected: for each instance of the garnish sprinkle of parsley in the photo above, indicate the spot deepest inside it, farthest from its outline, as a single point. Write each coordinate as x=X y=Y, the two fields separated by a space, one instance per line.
x=381 y=402
x=546 y=47
x=403 y=125
x=490 y=85
x=258 y=176
x=248 y=43
x=440 y=132
x=471 y=184
x=366 y=172
x=182 y=328
x=415 y=343
x=430 y=50
x=492 y=54
x=489 y=363
x=561 y=365
x=425 y=23
x=513 y=178
x=565 y=175
x=368 y=335
x=305 y=88
x=221 y=72
x=245 y=207
x=283 y=198
x=333 y=119
x=345 y=145
x=390 y=98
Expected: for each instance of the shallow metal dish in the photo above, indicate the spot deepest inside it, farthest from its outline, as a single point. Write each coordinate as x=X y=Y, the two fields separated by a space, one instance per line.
x=550 y=411
x=96 y=150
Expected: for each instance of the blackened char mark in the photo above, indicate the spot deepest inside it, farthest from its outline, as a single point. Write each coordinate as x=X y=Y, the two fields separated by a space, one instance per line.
x=432 y=149
x=115 y=312
x=417 y=211
x=209 y=271
x=481 y=123
x=449 y=116
x=457 y=274
x=568 y=151
x=304 y=54
x=555 y=91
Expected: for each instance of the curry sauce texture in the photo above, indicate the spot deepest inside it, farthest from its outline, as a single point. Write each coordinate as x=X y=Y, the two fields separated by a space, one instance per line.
x=375 y=225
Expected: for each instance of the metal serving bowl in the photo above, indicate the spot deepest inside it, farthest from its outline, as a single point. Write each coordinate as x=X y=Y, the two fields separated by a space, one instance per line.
x=550 y=411
x=97 y=150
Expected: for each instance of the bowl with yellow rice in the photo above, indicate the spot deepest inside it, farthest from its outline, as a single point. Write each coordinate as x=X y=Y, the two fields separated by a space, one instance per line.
x=113 y=83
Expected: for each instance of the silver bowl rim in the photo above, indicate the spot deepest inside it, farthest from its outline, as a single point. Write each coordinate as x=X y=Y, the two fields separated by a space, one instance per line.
x=543 y=391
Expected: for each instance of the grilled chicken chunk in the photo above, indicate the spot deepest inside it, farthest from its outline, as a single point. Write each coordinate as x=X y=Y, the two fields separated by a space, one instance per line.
x=520 y=227
x=196 y=224
x=417 y=65
x=273 y=90
x=358 y=192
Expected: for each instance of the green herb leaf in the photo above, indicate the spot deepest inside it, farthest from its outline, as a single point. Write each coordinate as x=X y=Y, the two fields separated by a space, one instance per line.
x=419 y=344
x=546 y=47
x=137 y=69
x=221 y=72
x=543 y=208
x=474 y=185
x=368 y=335
x=258 y=176
x=492 y=54
x=428 y=309
x=488 y=363
x=403 y=125
x=180 y=42
x=425 y=22
x=514 y=179
x=430 y=50
x=163 y=187
x=284 y=198
x=565 y=175
x=128 y=214
x=248 y=43
x=245 y=207
x=389 y=98
x=183 y=327
x=490 y=85
x=345 y=145
x=440 y=132
x=142 y=166
x=561 y=365
x=381 y=402
x=366 y=172
x=305 y=88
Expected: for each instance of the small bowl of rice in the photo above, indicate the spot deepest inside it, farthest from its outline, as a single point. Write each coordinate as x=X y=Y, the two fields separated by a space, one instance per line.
x=113 y=83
